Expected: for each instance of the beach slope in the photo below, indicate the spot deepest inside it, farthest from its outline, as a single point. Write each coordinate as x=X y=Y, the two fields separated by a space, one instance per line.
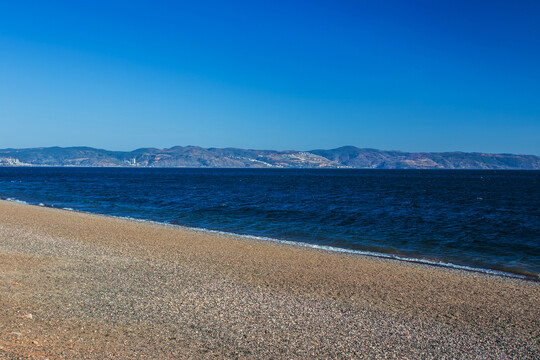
x=76 y=285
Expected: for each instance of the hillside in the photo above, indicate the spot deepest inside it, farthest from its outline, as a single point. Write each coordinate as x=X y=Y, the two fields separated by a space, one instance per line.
x=193 y=156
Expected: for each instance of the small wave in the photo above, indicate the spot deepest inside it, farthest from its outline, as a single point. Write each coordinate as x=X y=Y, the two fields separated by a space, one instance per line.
x=16 y=201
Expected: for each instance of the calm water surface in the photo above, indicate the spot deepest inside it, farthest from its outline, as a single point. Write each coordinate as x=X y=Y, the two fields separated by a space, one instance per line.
x=483 y=219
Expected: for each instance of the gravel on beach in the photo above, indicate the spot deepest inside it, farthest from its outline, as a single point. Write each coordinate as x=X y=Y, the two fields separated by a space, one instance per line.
x=83 y=286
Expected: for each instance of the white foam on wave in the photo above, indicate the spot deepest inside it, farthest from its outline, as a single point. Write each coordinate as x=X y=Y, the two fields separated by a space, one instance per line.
x=16 y=201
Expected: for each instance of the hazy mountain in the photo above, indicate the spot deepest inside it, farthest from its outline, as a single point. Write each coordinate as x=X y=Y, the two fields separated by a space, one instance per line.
x=194 y=156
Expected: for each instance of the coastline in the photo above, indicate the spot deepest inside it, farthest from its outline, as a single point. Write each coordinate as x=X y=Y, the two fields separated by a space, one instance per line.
x=512 y=273
x=105 y=287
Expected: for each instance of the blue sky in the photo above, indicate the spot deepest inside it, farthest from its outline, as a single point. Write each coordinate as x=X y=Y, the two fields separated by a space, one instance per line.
x=406 y=75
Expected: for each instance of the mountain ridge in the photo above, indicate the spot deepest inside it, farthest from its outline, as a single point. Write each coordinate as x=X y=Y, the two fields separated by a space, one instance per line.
x=199 y=157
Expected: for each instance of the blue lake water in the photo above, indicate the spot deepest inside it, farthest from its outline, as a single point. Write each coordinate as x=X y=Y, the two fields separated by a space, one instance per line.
x=479 y=219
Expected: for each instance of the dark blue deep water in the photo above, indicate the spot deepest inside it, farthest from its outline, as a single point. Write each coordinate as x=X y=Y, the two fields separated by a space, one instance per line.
x=483 y=219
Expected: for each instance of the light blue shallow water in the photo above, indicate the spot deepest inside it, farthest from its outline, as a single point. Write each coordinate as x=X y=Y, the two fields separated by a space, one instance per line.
x=479 y=219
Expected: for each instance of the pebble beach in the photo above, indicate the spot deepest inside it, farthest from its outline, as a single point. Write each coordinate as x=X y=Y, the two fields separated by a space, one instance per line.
x=84 y=286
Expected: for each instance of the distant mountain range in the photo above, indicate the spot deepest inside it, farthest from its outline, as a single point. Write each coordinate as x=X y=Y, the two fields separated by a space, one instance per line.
x=194 y=156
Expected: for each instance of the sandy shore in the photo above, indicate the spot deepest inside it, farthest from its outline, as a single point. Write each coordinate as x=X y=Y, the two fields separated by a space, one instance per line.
x=76 y=286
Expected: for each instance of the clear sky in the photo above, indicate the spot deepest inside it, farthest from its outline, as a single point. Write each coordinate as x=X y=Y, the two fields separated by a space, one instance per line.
x=406 y=75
